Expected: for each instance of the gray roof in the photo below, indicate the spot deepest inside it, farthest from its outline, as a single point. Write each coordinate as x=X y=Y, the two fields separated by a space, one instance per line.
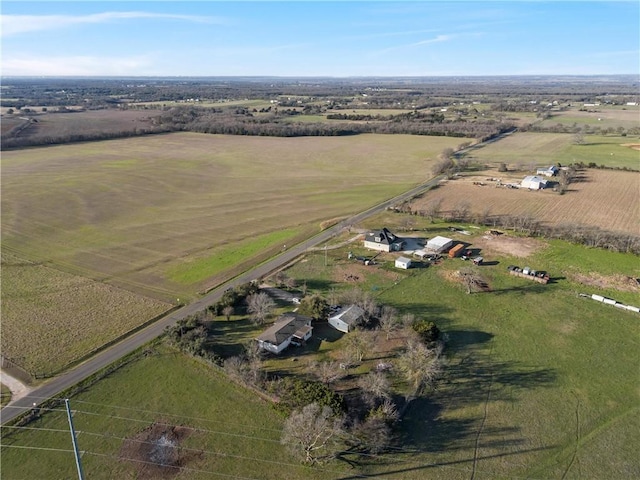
x=350 y=315
x=287 y=325
x=383 y=236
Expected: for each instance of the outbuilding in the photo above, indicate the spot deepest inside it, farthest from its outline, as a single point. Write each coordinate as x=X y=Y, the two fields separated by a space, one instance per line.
x=439 y=244
x=403 y=262
x=533 y=182
x=347 y=319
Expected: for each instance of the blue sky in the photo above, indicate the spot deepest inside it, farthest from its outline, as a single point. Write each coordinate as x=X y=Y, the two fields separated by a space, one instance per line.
x=305 y=38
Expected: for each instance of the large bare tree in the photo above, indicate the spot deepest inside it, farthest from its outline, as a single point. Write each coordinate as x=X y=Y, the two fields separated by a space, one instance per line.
x=420 y=365
x=260 y=306
x=313 y=434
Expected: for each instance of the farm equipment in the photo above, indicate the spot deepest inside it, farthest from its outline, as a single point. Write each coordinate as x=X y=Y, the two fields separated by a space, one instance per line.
x=526 y=272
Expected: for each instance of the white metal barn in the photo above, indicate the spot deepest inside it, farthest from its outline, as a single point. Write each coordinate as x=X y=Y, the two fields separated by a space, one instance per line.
x=439 y=244
x=533 y=182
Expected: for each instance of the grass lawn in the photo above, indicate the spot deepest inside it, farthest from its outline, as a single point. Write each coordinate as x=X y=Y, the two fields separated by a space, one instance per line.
x=229 y=431
x=5 y=395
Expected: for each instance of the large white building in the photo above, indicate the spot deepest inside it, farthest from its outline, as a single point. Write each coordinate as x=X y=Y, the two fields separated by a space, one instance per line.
x=533 y=182
x=438 y=244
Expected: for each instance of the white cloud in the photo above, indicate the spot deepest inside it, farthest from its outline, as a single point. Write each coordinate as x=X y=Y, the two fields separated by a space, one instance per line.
x=77 y=66
x=16 y=24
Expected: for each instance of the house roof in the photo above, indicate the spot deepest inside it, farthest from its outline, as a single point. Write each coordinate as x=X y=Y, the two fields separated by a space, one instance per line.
x=403 y=260
x=350 y=315
x=286 y=326
x=534 y=178
x=383 y=236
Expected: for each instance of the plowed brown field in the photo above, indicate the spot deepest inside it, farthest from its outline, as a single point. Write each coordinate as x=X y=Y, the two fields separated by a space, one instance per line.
x=608 y=199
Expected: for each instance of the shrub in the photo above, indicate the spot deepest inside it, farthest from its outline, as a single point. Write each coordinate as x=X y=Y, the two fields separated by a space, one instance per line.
x=428 y=331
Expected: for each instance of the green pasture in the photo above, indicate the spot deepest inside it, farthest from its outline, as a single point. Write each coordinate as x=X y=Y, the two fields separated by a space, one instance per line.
x=228 y=257
x=550 y=148
x=603 y=116
x=539 y=377
x=539 y=383
x=231 y=432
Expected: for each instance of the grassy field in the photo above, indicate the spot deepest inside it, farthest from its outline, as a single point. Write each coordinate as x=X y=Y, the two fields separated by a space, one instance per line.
x=543 y=386
x=603 y=116
x=165 y=217
x=5 y=395
x=523 y=149
x=143 y=211
x=51 y=318
x=608 y=199
x=89 y=122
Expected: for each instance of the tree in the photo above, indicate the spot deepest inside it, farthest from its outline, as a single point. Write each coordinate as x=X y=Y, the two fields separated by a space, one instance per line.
x=327 y=372
x=461 y=210
x=375 y=387
x=428 y=331
x=228 y=311
x=313 y=433
x=314 y=306
x=388 y=320
x=260 y=305
x=358 y=343
x=433 y=209
x=420 y=365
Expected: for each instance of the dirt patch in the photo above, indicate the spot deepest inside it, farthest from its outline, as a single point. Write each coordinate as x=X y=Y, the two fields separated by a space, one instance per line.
x=619 y=282
x=634 y=146
x=355 y=273
x=155 y=452
x=521 y=247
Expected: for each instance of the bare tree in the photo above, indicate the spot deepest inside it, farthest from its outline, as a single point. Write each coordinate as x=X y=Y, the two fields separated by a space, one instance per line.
x=228 y=311
x=260 y=305
x=358 y=343
x=327 y=371
x=433 y=210
x=388 y=320
x=253 y=353
x=375 y=387
x=461 y=210
x=420 y=365
x=313 y=434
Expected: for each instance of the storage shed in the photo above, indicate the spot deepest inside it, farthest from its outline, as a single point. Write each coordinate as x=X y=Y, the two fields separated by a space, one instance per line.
x=439 y=244
x=533 y=182
x=347 y=319
x=403 y=262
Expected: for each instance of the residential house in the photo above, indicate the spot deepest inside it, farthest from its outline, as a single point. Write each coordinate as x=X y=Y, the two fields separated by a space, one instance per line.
x=289 y=328
x=347 y=319
x=383 y=241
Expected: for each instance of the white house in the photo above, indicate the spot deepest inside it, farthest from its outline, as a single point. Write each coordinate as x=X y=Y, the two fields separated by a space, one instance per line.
x=533 y=182
x=548 y=172
x=383 y=241
x=289 y=328
x=347 y=319
x=403 y=262
x=439 y=244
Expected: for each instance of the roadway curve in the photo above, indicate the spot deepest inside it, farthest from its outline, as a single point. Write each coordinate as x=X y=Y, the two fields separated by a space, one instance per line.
x=75 y=375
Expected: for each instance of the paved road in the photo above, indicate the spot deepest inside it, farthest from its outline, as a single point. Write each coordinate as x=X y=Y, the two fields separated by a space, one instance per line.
x=56 y=385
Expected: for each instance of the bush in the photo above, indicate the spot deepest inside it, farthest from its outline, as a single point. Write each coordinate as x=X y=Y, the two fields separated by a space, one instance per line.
x=428 y=331
x=295 y=393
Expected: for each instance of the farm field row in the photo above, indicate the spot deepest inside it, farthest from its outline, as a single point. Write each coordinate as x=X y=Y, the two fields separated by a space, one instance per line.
x=136 y=210
x=529 y=148
x=604 y=116
x=542 y=387
x=607 y=199
x=51 y=318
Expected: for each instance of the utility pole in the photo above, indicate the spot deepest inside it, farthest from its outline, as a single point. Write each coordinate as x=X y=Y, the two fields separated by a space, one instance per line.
x=74 y=441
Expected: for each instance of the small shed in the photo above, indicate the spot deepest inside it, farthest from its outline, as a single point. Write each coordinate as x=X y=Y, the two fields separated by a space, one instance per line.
x=403 y=262
x=551 y=171
x=439 y=244
x=533 y=182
